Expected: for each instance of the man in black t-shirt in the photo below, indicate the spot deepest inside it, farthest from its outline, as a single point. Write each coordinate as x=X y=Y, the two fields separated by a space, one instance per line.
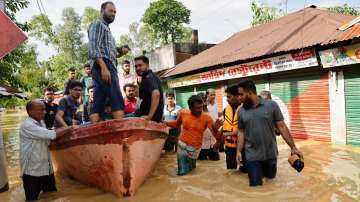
x=150 y=91
x=50 y=108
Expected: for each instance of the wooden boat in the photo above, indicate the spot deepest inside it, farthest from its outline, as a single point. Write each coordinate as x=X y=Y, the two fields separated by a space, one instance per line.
x=116 y=155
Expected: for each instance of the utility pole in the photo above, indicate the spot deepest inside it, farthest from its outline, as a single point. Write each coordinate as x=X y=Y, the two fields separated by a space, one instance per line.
x=2 y=5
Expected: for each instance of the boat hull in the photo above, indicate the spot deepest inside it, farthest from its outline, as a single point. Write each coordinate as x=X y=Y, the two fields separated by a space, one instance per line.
x=116 y=156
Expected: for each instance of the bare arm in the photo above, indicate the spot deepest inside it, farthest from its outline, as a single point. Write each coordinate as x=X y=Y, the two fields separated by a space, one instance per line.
x=59 y=118
x=62 y=131
x=174 y=124
x=155 y=100
x=285 y=133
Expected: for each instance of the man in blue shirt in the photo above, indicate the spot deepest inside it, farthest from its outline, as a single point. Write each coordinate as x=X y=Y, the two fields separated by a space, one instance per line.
x=68 y=105
x=102 y=54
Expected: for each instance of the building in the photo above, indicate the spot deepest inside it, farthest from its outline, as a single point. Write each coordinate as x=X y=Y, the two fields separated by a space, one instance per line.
x=286 y=57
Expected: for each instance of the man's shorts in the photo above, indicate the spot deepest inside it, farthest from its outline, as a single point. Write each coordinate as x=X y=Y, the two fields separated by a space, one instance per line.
x=34 y=185
x=106 y=91
x=259 y=169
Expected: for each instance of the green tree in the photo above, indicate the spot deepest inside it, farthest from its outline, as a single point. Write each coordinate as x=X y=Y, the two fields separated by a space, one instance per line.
x=90 y=15
x=166 y=19
x=345 y=9
x=67 y=38
x=262 y=14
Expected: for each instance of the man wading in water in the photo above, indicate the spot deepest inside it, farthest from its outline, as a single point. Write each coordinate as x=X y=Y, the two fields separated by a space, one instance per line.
x=103 y=54
x=194 y=122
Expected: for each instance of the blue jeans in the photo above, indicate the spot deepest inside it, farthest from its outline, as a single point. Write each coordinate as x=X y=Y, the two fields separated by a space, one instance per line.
x=259 y=169
x=106 y=92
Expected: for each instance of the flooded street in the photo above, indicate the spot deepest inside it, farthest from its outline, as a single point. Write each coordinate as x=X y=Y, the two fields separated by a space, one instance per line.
x=332 y=173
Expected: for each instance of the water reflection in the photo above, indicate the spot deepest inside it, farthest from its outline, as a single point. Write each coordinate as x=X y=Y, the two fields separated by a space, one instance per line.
x=332 y=173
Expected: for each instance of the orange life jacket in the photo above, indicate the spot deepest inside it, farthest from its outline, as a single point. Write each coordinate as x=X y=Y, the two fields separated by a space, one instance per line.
x=230 y=125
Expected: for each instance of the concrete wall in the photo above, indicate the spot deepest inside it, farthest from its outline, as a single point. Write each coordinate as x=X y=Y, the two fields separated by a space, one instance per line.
x=162 y=58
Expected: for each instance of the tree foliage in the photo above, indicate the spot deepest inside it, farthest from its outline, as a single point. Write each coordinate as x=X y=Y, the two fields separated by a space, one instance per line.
x=262 y=14
x=67 y=38
x=345 y=9
x=166 y=19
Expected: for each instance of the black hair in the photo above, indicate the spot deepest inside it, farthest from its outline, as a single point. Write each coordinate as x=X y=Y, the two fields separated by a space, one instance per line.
x=195 y=99
x=128 y=85
x=86 y=65
x=103 y=5
x=74 y=84
x=170 y=94
x=247 y=85
x=232 y=90
x=143 y=58
x=48 y=89
x=90 y=87
x=71 y=69
x=127 y=62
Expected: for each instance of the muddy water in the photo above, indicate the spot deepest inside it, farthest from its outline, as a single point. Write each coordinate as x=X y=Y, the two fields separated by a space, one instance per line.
x=332 y=173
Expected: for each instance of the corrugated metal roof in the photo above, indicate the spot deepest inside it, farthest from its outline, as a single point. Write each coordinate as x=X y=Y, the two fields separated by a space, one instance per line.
x=304 y=28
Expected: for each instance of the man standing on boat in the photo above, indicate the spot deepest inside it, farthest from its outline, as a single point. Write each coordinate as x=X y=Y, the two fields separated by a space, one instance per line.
x=150 y=92
x=35 y=162
x=103 y=53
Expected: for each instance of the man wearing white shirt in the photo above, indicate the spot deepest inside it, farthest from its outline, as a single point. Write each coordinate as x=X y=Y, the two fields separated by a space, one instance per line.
x=207 y=151
x=36 y=166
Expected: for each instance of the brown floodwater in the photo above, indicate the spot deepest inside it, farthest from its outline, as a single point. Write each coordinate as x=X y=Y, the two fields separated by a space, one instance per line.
x=331 y=173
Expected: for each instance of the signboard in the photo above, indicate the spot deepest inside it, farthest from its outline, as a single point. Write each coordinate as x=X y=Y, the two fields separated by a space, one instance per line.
x=306 y=58
x=11 y=36
x=341 y=56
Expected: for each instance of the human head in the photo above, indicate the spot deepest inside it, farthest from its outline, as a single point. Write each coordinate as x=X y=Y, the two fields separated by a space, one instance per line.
x=36 y=110
x=247 y=90
x=129 y=90
x=72 y=73
x=108 y=11
x=211 y=95
x=125 y=49
x=126 y=66
x=49 y=95
x=87 y=69
x=91 y=92
x=141 y=65
x=232 y=95
x=76 y=88
x=266 y=95
x=170 y=98
x=196 y=105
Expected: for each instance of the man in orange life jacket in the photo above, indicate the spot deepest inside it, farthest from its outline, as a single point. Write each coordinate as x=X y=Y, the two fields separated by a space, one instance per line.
x=230 y=126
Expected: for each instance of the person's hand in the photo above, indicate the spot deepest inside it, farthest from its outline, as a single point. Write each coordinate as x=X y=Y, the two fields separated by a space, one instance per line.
x=75 y=126
x=216 y=146
x=146 y=118
x=105 y=75
x=297 y=152
x=238 y=157
x=218 y=123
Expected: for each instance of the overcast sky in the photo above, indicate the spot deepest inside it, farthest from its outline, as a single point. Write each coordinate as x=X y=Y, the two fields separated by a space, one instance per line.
x=216 y=20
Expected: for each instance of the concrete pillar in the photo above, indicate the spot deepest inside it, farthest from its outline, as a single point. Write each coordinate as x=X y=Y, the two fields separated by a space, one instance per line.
x=4 y=186
x=337 y=107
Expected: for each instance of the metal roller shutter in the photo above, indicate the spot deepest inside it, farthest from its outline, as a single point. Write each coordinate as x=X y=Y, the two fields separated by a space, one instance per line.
x=352 y=105
x=304 y=100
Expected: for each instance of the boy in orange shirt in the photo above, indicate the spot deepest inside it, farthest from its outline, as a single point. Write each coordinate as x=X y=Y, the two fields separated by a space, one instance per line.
x=194 y=122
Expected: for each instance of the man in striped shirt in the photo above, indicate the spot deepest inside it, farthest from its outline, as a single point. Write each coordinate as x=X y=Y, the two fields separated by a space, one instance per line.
x=102 y=54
